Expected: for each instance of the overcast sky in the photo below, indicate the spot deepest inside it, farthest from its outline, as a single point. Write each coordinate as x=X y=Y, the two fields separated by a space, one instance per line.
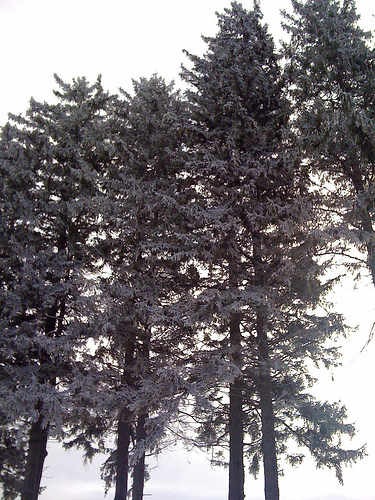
x=125 y=39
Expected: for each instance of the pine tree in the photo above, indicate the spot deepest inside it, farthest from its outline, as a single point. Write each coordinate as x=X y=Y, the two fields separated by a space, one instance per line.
x=239 y=113
x=12 y=442
x=53 y=187
x=262 y=275
x=150 y=273
x=331 y=71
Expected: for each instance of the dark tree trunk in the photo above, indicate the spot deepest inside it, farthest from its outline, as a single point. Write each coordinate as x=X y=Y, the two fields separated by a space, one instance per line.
x=38 y=436
x=124 y=428
x=366 y=223
x=122 y=456
x=37 y=452
x=236 y=466
x=367 y=226
x=271 y=485
x=139 y=468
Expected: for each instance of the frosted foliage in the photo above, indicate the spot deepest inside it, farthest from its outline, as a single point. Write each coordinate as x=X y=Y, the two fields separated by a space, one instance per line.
x=263 y=275
x=54 y=188
x=331 y=72
x=164 y=256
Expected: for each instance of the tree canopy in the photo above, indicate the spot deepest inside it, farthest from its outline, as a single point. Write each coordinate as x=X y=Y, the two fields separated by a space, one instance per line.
x=166 y=257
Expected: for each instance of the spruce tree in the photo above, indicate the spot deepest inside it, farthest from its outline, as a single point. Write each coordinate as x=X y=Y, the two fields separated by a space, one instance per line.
x=151 y=272
x=331 y=72
x=238 y=113
x=263 y=277
x=53 y=188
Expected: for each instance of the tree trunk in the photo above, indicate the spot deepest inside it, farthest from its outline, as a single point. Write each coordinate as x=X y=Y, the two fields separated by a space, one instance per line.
x=139 y=468
x=367 y=227
x=236 y=466
x=271 y=486
x=127 y=333
x=37 y=452
x=37 y=445
x=122 y=459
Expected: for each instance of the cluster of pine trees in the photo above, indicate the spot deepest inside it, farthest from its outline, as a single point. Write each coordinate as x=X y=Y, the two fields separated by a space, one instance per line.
x=166 y=256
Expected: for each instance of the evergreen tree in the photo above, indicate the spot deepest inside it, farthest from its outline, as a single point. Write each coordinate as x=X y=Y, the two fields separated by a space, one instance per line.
x=206 y=251
x=239 y=114
x=150 y=274
x=53 y=187
x=262 y=275
x=12 y=442
x=331 y=72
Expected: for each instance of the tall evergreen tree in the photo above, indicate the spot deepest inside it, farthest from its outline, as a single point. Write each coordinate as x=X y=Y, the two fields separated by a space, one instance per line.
x=331 y=71
x=262 y=275
x=239 y=112
x=151 y=270
x=205 y=247
x=53 y=188
x=12 y=442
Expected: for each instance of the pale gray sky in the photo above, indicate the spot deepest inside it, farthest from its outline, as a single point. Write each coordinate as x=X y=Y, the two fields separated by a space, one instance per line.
x=121 y=39
x=125 y=39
